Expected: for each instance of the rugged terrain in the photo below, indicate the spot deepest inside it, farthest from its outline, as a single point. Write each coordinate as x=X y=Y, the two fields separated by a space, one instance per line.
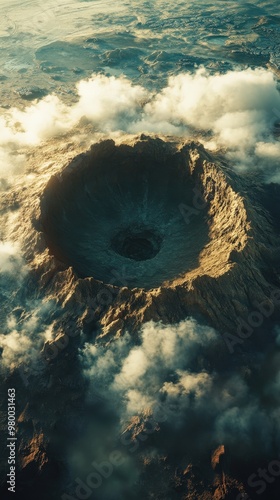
x=123 y=233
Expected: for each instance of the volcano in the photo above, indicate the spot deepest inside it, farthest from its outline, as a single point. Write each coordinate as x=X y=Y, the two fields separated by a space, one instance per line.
x=160 y=222
x=141 y=230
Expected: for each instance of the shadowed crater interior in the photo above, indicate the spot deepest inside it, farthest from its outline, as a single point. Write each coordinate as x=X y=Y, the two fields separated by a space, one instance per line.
x=115 y=215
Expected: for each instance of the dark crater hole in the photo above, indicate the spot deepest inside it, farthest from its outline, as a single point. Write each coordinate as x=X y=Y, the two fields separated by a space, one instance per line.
x=137 y=243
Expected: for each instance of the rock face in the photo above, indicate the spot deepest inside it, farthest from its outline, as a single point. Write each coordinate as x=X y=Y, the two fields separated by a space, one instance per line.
x=146 y=229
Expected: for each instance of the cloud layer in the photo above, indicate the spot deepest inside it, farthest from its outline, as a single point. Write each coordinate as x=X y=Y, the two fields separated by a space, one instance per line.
x=235 y=111
x=185 y=371
x=25 y=320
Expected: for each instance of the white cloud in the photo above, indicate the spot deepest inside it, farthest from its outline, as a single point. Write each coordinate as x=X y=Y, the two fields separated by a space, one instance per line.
x=26 y=326
x=21 y=339
x=170 y=368
x=11 y=261
x=138 y=374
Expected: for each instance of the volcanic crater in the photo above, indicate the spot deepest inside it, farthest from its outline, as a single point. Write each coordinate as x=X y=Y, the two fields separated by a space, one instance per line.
x=162 y=228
